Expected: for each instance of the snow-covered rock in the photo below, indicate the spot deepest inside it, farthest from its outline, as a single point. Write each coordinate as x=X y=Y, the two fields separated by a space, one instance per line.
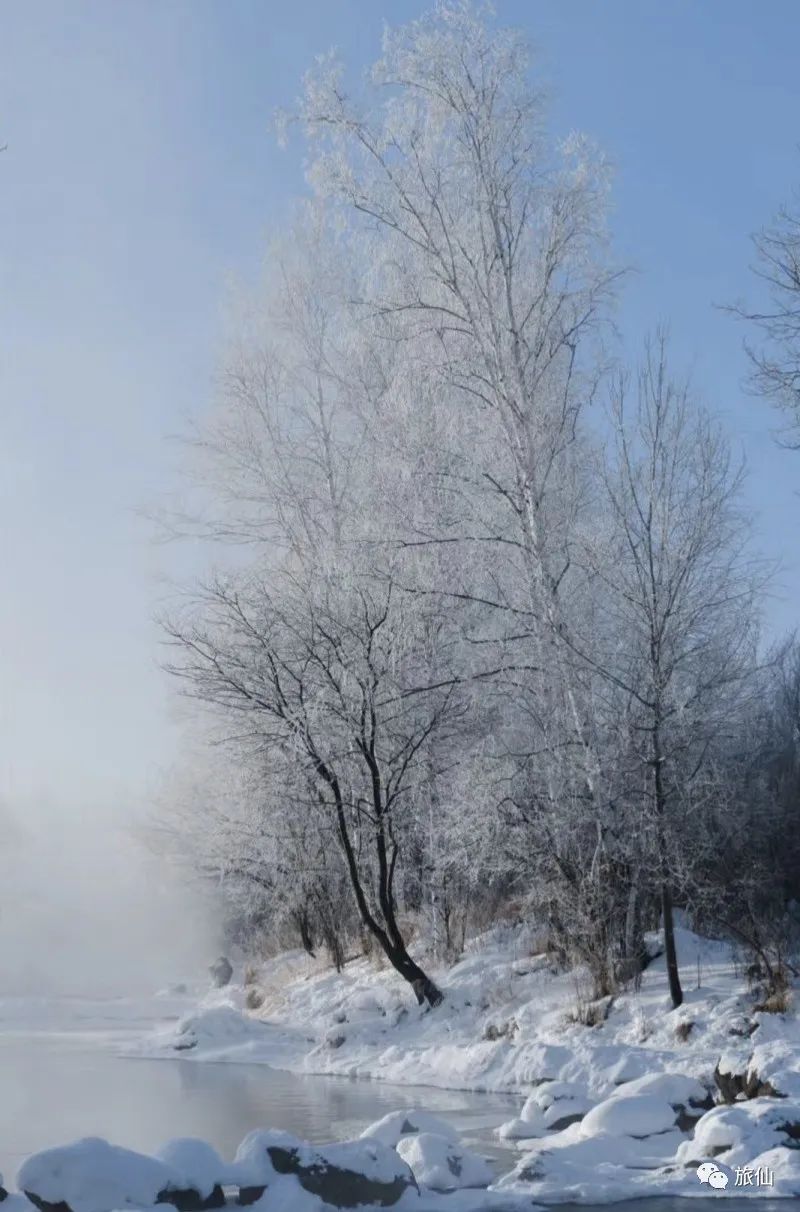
x=393 y=1127
x=92 y=1175
x=638 y=1116
x=214 y=1027
x=568 y=1168
x=566 y=1111
x=522 y=1129
x=343 y=1175
x=200 y=1166
x=741 y=1133
x=221 y=972
x=441 y=1165
x=678 y=1089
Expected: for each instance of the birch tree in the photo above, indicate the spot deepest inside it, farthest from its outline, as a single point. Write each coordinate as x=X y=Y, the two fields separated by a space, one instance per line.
x=488 y=258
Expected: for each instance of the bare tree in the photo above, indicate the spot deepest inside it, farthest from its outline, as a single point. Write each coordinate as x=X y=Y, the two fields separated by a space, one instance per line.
x=776 y=362
x=680 y=591
x=328 y=679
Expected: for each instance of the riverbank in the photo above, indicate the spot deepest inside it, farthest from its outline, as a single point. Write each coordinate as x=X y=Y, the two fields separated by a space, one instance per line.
x=620 y=1108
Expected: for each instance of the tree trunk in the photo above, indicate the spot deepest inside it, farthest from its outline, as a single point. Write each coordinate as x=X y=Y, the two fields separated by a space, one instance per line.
x=673 y=974
x=394 y=948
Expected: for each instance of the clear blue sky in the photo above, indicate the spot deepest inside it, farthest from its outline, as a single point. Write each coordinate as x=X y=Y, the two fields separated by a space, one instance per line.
x=140 y=173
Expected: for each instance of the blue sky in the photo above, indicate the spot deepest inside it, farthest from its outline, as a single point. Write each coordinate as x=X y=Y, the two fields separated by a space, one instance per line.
x=141 y=176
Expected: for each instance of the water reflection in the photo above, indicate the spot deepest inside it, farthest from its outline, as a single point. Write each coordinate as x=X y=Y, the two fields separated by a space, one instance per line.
x=56 y=1089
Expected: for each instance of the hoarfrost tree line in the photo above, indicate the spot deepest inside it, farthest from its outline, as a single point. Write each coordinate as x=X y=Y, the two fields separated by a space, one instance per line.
x=482 y=641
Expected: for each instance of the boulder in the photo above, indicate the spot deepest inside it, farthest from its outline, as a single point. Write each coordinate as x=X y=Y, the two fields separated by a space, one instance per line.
x=343 y=1175
x=93 y=1176
x=739 y=1081
x=221 y=972
x=393 y=1127
x=203 y=1173
x=441 y=1165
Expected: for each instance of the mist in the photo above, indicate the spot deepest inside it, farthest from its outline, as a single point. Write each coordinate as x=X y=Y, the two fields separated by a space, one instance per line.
x=87 y=909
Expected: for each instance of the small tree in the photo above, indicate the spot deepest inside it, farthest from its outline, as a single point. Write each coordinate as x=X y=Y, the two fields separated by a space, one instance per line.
x=327 y=677
x=679 y=591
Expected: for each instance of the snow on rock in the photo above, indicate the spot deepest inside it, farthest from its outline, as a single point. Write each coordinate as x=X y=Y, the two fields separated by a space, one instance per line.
x=775 y=1059
x=566 y=1111
x=637 y=1115
x=200 y=1166
x=393 y=1127
x=92 y=1175
x=252 y=1166
x=343 y=1175
x=738 y=1134
x=678 y=1089
x=519 y=1129
x=441 y=1165
x=216 y=1026
x=567 y=1168
x=548 y=1093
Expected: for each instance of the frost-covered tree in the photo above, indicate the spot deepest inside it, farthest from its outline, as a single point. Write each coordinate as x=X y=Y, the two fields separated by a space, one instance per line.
x=679 y=587
x=461 y=657
x=327 y=676
x=776 y=360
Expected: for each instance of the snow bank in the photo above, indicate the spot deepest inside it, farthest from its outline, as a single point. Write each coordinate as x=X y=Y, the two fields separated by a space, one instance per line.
x=619 y=1100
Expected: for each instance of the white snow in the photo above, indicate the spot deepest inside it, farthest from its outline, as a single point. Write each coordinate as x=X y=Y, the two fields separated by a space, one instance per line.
x=92 y=1175
x=639 y=1115
x=626 y=1083
x=200 y=1166
x=252 y=1165
x=440 y=1164
x=393 y=1127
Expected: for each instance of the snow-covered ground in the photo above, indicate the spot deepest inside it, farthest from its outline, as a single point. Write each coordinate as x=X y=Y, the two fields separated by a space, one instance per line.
x=606 y=1113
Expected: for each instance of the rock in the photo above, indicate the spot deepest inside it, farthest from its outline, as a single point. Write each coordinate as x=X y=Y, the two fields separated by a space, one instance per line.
x=3 y=1194
x=190 y=1200
x=393 y=1127
x=497 y=1031
x=221 y=972
x=338 y=1185
x=203 y=1172
x=637 y=1116
x=93 y=1176
x=441 y=1165
x=342 y=1175
x=45 y=1205
x=740 y=1081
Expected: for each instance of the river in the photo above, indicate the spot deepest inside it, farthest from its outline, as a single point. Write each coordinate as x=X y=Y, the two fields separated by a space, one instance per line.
x=62 y=1076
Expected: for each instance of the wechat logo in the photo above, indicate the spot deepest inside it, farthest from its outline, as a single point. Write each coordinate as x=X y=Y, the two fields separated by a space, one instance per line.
x=710 y=1172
